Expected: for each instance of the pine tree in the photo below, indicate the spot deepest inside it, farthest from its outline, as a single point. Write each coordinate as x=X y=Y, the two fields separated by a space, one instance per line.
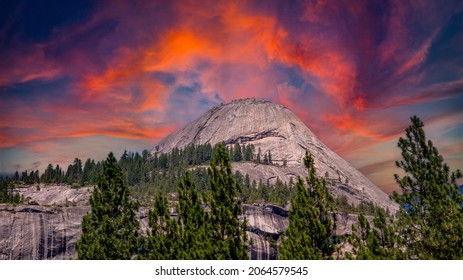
x=311 y=220
x=77 y=172
x=48 y=175
x=89 y=168
x=110 y=229
x=197 y=234
x=431 y=213
x=375 y=243
x=162 y=242
x=237 y=154
x=247 y=181
x=228 y=237
x=58 y=174
x=193 y=223
x=248 y=152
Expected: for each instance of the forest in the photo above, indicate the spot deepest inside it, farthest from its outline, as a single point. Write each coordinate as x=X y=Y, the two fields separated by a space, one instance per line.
x=149 y=175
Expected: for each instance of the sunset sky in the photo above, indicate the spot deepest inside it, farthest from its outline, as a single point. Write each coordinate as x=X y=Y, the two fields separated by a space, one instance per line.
x=82 y=78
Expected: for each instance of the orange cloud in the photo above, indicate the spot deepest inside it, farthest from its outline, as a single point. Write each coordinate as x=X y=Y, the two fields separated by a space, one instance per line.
x=366 y=127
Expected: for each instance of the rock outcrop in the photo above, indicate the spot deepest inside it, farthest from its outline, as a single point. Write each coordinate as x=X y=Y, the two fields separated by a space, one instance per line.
x=37 y=233
x=274 y=128
x=50 y=232
x=55 y=194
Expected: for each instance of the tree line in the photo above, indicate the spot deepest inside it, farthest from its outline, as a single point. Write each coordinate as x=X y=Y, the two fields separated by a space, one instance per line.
x=147 y=175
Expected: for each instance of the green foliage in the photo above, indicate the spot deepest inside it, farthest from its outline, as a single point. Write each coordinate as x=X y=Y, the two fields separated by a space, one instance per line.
x=52 y=175
x=7 y=195
x=248 y=152
x=197 y=234
x=162 y=242
x=379 y=242
x=228 y=237
x=311 y=220
x=74 y=172
x=237 y=154
x=30 y=178
x=91 y=172
x=341 y=204
x=183 y=238
x=258 y=159
x=430 y=219
x=110 y=230
x=279 y=193
x=193 y=222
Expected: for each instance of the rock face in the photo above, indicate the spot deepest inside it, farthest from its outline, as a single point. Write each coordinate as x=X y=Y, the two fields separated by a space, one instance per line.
x=265 y=225
x=49 y=230
x=35 y=232
x=55 y=194
x=275 y=128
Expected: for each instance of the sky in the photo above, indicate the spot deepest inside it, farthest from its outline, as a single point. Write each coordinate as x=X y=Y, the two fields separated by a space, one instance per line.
x=82 y=78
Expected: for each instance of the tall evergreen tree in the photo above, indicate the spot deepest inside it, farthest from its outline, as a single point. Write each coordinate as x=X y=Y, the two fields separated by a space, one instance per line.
x=248 y=152
x=162 y=242
x=48 y=175
x=265 y=159
x=77 y=170
x=110 y=229
x=258 y=160
x=228 y=238
x=87 y=172
x=431 y=213
x=193 y=222
x=59 y=176
x=237 y=153
x=311 y=220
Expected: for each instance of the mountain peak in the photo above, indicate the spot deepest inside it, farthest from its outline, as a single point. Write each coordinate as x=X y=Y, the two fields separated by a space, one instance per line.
x=276 y=129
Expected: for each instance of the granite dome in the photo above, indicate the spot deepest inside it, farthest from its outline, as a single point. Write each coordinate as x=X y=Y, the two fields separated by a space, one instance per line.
x=272 y=127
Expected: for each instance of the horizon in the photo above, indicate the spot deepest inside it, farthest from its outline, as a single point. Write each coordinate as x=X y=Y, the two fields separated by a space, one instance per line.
x=83 y=79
